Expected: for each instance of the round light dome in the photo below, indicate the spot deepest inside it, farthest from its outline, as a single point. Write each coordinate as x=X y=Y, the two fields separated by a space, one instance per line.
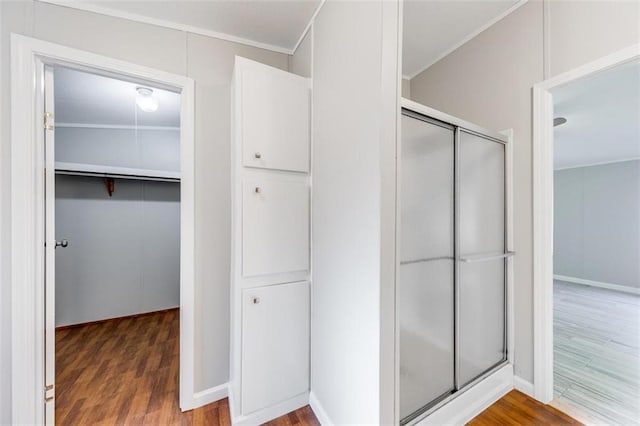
x=145 y=99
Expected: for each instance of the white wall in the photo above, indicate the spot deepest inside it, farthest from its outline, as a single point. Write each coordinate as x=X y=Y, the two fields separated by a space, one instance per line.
x=488 y=80
x=351 y=153
x=123 y=256
x=597 y=223
x=152 y=149
x=406 y=88
x=209 y=62
x=301 y=61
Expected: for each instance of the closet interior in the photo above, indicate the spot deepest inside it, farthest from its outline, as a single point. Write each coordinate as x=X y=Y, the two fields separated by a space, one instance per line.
x=117 y=202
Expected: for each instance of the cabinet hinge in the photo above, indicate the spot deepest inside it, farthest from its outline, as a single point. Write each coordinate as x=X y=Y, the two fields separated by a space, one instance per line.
x=48 y=121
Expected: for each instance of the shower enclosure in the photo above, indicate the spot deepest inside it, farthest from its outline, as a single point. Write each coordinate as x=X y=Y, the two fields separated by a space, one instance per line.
x=452 y=281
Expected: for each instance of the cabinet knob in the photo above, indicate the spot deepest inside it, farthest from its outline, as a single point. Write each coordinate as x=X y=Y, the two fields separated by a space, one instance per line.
x=258 y=155
x=258 y=190
x=255 y=300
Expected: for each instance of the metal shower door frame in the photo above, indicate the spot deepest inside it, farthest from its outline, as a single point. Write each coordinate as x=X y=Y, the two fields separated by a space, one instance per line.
x=419 y=112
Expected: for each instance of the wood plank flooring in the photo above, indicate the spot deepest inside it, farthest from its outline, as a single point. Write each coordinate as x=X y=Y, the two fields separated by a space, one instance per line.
x=516 y=408
x=125 y=371
x=597 y=353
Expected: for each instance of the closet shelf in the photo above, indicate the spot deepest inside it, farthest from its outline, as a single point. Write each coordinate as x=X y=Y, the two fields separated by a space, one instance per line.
x=78 y=169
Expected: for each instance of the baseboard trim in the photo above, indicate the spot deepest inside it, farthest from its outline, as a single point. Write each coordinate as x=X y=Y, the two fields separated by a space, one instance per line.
x=270 y=413
x=473 y=401
x=124 y=317
x=210 y=395
x=523 y=386
x=319 y=411
x=609 y=286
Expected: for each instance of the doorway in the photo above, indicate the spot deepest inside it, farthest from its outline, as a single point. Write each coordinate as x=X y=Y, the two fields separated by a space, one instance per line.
x=596 y=290
x=546 y=94
x=113 y=210
x=32 y=360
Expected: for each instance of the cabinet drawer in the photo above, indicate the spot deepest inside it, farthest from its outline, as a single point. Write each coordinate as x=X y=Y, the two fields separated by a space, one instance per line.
x=275 y=339
x=275 y=120
x=275 y=227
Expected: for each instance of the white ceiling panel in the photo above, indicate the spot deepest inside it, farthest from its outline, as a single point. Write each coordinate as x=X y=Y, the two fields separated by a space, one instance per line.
x=603 y=118
x=434 y=28
x=272 y=24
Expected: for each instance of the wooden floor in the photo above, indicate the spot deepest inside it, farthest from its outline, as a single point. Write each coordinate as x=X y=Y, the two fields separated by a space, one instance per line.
x=516 y=408
x=597 y=353
x=125 y=371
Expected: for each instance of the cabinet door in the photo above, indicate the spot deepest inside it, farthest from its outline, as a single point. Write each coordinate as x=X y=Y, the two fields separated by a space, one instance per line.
x=275 y=120
x=275 y=344
x=275 y=231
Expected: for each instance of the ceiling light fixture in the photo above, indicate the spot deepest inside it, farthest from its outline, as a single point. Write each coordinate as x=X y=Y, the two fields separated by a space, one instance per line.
x=145 y=99
x=559 y=121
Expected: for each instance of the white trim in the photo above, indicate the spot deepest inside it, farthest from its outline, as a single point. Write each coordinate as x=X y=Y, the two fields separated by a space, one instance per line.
x=474 y=401
x=210 y=395
x=273 y=411
x=115 y=126
x=319 y=410
x=398 y=215
x=523 y=385
x=307 y=28
x=542 y=241
x=27 y=217
x=84 y=6
x=469 y=37
x=601 y=163
x=543 y=213
x=600 y=284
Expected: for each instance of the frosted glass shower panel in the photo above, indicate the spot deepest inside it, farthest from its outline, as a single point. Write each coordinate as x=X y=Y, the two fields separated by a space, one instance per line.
x=481 y=269
x=426 y=281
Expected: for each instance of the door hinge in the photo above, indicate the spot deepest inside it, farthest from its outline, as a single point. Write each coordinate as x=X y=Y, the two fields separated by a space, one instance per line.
x=48 y=389
x=48 y=121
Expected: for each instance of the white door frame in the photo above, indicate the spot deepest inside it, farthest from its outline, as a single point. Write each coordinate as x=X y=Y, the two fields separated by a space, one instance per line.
x=543 y=213
x=28 y=217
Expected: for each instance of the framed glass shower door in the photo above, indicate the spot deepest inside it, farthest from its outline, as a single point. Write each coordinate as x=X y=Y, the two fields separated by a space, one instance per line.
x=481 y=246
x=451 y=289
x=426 y=285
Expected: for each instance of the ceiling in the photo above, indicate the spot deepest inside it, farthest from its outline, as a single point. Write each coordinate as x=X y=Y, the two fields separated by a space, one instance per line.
x=273 y=24
x=84 y=98
x=434 y=28
x=603 y=118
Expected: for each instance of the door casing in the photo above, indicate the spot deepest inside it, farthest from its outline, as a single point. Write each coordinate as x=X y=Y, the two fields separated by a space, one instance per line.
x=28 y=58
x=543 y=214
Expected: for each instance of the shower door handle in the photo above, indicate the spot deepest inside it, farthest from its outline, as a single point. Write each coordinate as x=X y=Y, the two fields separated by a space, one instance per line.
x=487 y=257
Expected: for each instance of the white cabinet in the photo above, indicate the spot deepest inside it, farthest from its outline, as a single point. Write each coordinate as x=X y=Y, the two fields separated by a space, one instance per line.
x=274 y=119
x=275 y=344
x=270 y=258
x=275 y=225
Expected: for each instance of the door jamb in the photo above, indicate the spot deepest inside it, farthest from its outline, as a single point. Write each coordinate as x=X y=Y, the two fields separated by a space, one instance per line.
x=27 y=216
x=543 y=213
